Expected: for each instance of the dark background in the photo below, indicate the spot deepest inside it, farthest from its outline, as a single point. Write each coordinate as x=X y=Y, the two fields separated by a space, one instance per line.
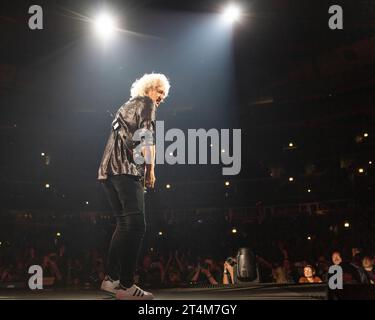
x=280 y=75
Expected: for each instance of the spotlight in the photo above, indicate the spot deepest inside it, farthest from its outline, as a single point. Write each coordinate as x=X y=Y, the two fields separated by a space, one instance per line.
x=87 y=202
x=370 y=162
x=309 y=190
x=232 y=13
x=160 y=233
x=58 y=234
x=47 y=185
x=291 y=179
x=234 y=230
x=168 y=186
x=291 y=144
x=365 y=134
x=42 y=154
x=223 y=150
x=361 y=170
x=227 y=183
x=308 y=238
x=346 y=224
x=104 y=25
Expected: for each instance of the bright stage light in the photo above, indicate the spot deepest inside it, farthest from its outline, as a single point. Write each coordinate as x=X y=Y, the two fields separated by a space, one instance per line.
x=232 y=13
x=104 y=25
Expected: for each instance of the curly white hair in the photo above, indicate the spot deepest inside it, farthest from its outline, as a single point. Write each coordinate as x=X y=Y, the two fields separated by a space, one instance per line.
x=150 y=80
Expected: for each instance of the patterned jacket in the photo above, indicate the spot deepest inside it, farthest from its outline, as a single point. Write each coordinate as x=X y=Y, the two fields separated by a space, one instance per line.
x=136 y=113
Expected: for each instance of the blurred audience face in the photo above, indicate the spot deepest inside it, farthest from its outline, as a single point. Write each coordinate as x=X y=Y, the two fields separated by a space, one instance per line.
x=336 y=258
x=368 y=263
x=308 y=272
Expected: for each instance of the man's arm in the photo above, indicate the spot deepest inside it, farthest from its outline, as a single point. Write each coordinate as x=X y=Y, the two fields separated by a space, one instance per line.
x=147 y=121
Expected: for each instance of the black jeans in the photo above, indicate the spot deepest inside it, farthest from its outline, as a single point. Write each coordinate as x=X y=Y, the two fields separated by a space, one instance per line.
x=125 y=194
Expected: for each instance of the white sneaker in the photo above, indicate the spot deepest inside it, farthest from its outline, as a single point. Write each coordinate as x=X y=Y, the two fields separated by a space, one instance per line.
x=133 y=293
x=108 y=285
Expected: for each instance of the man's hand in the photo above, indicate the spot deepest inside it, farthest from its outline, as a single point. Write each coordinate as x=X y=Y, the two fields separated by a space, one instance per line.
x=150 y=179
x=149 y=155
x=227 y=266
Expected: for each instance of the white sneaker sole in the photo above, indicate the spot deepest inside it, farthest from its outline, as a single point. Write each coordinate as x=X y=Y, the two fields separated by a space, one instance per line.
x=134 y=298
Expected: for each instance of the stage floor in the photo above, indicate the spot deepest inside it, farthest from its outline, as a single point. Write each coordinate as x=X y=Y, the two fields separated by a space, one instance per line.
x=238 y=292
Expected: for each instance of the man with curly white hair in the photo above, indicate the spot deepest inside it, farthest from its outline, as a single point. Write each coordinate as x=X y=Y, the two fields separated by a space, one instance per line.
x=123 y=180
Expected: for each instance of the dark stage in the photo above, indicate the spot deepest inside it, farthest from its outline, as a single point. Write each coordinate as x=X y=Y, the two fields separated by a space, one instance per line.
x=238 y=292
